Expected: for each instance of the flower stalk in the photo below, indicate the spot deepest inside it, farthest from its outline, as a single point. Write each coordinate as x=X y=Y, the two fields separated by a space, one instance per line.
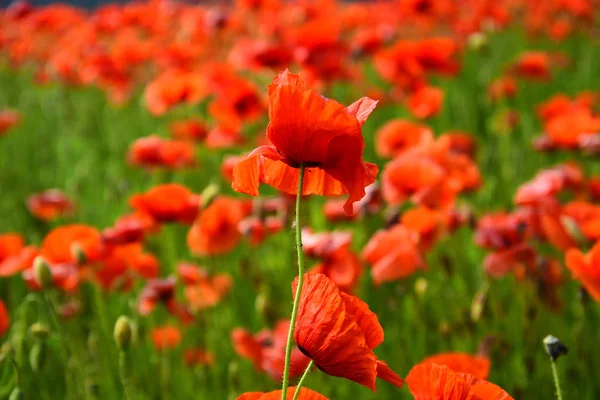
x=288 y=347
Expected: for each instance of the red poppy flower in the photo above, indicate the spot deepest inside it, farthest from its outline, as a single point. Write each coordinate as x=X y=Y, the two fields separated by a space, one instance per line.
x=62 y=244
x=500 y=230
x=166 y=337
x=503 y=87
x=215 y=231
x=307 y=129
x=393 y=254
x=49 y=205
x=266 y=350
x=195 y=356
x=586 y=269
x=121 y=263
x=368 y=205
x=477 y=366
x=461 y=143
x=14 y=255
x=256 y=54
x=153 y=151
x=533 y=65
x=429 y=381
x=398 y=135
x=426 y=101
x=203 y=290
x=237 y=102
x=305 y=394
x=189 y=129
x=519 y=259
x=426 y=222
x=167 y=203
x=4 y=319
x=129 y=229
x=338 y=262
x=339 y=332
x=162 y=291
x=257 y=229
x=174 y=87
x=586 y=216
x=8 y=119
x=548 y=183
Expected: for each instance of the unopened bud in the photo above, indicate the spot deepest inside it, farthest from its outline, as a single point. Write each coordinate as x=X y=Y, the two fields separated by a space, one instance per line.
x=78 y=254
x=123 y=332
x=573 y=230
x=16 y=394
x=478 y=304
x=208 y=195
x=39 y=331
x=42 y=273
x=554 y=347
x=421 y=286
x=477 y=41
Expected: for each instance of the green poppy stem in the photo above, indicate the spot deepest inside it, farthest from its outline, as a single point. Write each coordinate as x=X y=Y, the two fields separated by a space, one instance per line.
x=301 y=381
x=556 y=380
x=288 y=347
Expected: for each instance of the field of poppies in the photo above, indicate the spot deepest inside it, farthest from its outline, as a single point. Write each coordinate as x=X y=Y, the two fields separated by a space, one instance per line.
x=373 y=200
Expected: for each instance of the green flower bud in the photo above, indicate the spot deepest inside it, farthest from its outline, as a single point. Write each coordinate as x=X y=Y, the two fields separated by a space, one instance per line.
x=123 y=332
x=42 y=273
x=39 y=331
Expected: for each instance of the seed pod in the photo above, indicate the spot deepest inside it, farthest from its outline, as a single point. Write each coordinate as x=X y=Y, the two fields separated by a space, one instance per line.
x=123 y=332
x=42 y=273
x=554 y=347
x=37 y=356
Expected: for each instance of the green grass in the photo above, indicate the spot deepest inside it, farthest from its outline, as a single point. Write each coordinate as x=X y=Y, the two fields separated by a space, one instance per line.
x=71 y=139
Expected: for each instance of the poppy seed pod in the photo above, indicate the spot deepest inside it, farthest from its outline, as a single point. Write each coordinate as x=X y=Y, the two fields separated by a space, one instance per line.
x=42 y=273
x=554 y=347
x=123 y=332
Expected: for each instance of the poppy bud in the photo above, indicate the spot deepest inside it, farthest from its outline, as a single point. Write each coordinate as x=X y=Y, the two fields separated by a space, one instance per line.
x=444 y=328
x=37 y=356
x=478 y=304
x=16 y=394
x=123 y=332
x=39 y=331
x=234 y=374
x=573 y=230
x=208 y=195
x=78 y=254
x=477 y=41
x=554 y=347
x=421 y=286
x=42 y=273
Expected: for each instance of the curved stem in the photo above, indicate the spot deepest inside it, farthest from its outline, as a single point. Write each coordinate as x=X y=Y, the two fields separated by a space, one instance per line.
x=301 y=381
x=556 y=380
x=288 y=347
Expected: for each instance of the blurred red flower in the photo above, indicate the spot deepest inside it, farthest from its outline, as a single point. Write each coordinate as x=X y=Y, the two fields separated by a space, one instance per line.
x=50 y=204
